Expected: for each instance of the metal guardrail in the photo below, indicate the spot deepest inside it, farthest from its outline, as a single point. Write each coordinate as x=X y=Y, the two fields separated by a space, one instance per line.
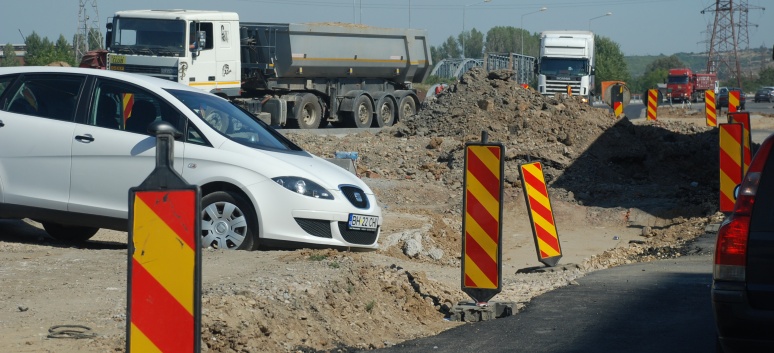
x=455 y=68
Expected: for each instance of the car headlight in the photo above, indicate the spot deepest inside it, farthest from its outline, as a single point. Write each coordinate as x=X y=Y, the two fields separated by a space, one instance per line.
x=304 y=187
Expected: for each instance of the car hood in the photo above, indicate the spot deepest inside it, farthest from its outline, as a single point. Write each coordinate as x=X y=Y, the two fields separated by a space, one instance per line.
x=273 y=164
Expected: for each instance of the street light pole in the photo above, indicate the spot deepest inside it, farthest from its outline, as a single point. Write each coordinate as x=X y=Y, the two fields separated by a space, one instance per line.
x=522 y=26
x=594 y=18
x=463 y=22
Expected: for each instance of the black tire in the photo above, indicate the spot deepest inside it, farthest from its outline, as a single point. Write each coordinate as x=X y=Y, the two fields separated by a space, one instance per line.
x=75 y=234
x=406 y=108
x=307 y=112
x=228 y=222
x=362 y=112
x=385 y=112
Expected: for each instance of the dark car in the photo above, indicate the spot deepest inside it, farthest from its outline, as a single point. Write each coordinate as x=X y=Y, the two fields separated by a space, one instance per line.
x=722 y=97
x=743 y=274
x=764 y=94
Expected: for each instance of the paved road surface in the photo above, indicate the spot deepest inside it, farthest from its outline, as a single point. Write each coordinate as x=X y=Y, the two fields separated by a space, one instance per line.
x=661 y=306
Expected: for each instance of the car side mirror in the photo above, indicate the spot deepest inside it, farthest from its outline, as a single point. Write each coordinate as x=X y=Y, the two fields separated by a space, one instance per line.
x=159 y=127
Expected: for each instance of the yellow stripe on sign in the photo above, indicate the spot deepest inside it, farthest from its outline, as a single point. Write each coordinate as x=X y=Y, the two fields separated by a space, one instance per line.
x=483 y=239
x=141 y=343
x=163 y=254
x=475 y=274
x=544 y=223
x=483 y=196
x=548 y=249
x=488 y=158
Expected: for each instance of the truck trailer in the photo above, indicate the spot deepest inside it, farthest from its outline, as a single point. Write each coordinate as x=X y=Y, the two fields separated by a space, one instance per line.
x=288 y=74
x=684 y=84
x=566 y=63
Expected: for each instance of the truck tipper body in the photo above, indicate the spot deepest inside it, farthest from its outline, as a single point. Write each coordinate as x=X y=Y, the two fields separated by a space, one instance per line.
x=566 y=63
x=684 y=85
x=294 y=74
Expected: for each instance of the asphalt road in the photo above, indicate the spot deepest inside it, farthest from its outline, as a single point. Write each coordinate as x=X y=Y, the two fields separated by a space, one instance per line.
x=662 y=306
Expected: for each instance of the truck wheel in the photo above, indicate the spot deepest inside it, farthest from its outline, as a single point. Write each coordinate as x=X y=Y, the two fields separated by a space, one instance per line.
x=307 y=112
x=406 y=108
x=363 y=112
x=228 y=222
x=385 y=112
x=76 y=234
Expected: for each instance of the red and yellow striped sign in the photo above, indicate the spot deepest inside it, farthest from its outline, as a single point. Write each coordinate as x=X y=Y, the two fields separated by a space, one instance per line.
x=731 y=155
x=482 y=226
x=618 y=109
x=128 y=104
x=709 y=108
x=652 y=104
x=744 y=119
x=164 y=272
x=733 y=101
x=540 y=213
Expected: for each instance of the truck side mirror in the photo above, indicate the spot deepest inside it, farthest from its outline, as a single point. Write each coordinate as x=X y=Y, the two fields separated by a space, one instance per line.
x=202 y=39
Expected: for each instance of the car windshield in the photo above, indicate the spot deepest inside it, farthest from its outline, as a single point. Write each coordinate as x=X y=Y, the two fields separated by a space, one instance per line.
x=569 y=67
x=149 y=37
x=234 y=123
x=677 y=79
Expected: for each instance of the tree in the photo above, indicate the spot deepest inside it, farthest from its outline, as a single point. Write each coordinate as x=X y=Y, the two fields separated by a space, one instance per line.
x=502 y=39
x=9 y=55
x=610 y=64
x=474 y=43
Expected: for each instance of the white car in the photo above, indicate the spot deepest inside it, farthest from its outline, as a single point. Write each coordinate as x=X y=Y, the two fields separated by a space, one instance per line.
x=73 y=141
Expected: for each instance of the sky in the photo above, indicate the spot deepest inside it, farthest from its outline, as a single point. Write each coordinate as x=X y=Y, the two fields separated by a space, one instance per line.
x=640 y=27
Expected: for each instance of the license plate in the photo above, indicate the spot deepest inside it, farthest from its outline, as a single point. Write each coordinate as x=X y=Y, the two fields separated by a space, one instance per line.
x=361 y=222
x=118 y=59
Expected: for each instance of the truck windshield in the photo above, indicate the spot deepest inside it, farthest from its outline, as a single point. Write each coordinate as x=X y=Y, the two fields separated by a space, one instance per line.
x=234 y=123
x=677 y=79
x=564 y=66
x=149 y=37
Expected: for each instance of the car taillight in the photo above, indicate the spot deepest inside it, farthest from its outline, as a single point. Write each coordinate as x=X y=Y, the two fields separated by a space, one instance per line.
x=731 y=247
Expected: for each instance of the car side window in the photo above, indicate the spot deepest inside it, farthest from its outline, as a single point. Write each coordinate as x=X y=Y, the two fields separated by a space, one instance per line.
x=46 y=96
x=121 y=106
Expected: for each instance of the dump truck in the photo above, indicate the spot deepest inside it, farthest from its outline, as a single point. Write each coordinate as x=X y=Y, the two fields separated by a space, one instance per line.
x=683 y=84
x=288 y=74
x=566 y=63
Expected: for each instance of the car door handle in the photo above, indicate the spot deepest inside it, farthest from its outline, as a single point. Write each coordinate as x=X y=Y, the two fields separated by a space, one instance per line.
x=85 y=138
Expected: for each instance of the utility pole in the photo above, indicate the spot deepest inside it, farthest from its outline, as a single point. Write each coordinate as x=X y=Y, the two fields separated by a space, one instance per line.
x=88 y=29
x=729 y=33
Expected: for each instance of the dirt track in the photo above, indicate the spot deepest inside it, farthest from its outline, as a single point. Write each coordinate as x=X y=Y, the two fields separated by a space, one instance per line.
x=621 y=192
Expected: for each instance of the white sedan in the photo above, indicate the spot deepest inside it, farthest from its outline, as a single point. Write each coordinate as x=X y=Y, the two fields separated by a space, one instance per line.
x=73 y=141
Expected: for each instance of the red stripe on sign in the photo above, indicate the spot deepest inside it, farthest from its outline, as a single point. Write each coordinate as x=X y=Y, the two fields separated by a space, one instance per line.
x=535 y=182
x=484 y=175
x=726 y=203
x=547 y=237
x=541 y=210
x=176 y=209
x=479 y=256
x=727 y=160
x=158 y=315
x=484 y=219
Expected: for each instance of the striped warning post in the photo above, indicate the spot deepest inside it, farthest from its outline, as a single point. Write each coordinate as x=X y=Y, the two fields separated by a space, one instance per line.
x=164 y=271
x=652 y=104
x=730 y=163
x=540 y=213
x=481 y=224
x=744 y=119
x=709 y=108
x=733 y=101
x=618 y=109
x=128 y=104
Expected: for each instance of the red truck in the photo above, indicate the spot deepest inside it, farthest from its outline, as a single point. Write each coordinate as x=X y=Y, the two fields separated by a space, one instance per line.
x=684 y=84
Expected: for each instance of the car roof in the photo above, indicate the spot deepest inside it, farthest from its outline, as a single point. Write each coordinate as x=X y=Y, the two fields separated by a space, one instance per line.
x=143 y=80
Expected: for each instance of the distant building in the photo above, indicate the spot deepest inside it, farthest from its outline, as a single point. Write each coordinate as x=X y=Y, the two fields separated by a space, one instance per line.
x=20 y=49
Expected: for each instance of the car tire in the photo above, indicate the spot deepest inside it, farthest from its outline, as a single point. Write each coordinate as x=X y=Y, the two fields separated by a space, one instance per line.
x=75 y=234
x=228 y=222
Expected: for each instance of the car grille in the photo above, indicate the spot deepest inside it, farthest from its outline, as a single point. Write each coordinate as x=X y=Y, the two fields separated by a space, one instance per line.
x=355 y=195
x=316 y=227
x=362 y=237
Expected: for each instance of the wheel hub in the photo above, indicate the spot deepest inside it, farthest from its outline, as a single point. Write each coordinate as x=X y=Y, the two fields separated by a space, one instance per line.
x=221 y=227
